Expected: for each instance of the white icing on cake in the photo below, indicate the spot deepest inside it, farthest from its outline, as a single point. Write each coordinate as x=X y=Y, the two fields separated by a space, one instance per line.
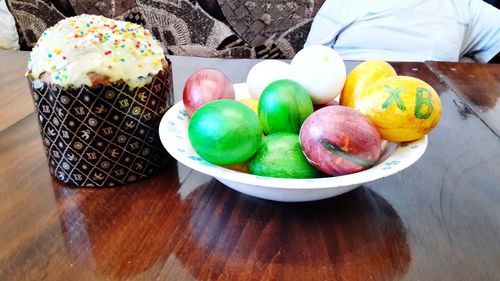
x=79 y=45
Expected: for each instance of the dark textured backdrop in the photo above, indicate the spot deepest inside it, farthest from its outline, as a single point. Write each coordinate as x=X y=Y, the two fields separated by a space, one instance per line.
x=208 y=28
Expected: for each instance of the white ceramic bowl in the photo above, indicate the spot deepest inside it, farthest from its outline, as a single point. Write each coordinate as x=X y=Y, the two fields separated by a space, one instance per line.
x=174 y=136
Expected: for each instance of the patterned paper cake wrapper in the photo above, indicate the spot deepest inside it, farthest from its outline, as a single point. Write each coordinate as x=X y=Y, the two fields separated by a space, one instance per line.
x=103 y=136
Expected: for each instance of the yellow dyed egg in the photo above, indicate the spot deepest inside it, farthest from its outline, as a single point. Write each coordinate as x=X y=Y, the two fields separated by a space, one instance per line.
x=361 y=76
x=402 y=108
x=252 y=103
x=242 y=167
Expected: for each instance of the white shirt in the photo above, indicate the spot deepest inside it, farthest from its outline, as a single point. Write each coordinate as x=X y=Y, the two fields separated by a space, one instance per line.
x=8 y=34
x=408 y=30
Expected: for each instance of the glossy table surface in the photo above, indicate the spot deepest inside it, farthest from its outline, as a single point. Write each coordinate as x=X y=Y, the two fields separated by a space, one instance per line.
x=478 y=84
x=437 y=220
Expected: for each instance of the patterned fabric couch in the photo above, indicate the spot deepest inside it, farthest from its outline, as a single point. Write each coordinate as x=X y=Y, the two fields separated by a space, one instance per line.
x=207 y=28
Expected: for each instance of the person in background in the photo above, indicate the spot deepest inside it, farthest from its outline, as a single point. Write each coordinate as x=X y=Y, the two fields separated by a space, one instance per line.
x=406 y=30
x=9 y=39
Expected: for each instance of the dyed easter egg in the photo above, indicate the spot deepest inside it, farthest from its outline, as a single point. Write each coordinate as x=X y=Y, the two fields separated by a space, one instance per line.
x=321 y=71
x=280 y=156
x=283 y=107
x=225 y=132
x=252 y=103
x=264 y=73
x=362 y=76
x=339 y=140
x=241 y=167
x=206 y=85
x=402 y=108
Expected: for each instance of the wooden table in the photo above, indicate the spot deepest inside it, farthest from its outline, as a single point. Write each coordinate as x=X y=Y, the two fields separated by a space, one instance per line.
x=437 y=220
x=478 y=84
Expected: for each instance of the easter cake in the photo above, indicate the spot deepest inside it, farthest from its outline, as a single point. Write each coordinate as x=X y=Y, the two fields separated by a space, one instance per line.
x=100 y=87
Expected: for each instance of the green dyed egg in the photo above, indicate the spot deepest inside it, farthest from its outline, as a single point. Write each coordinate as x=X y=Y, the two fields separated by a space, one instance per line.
x=280 y=156
x=225 y=132
x=283 y=106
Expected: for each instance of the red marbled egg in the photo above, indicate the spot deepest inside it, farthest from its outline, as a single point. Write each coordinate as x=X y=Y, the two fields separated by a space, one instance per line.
x=206 y=85
x=339 y=140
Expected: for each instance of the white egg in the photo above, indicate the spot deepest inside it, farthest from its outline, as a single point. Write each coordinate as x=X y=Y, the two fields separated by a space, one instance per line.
x=321 y=71
x=264 y=73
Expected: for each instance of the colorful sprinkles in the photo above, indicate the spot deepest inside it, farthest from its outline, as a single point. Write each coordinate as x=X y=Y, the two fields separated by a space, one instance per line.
x=109 y=41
